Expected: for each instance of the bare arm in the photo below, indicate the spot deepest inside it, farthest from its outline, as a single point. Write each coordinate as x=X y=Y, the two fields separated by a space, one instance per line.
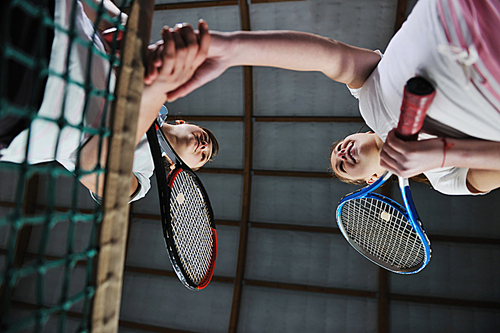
x=181 y=54
x=284 y=49
x=412 y=158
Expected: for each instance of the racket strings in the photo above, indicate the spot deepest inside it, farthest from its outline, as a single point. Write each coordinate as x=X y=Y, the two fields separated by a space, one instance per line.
x=382 y=231
x=191 y=229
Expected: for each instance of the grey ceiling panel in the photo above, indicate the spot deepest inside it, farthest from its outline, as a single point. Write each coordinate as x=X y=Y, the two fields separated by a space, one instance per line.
x=223 y=18
x=307 y=258
x=280 y=92
x=181 y=1
x=146 y=247
x=464 y=271
x=284 y=93
x=230 y=136
x=456 y=215
x=174 y=305
x=53 y=324
x=58 y=238
x=297 y=146
x=227 y=250
x=225 y=194
x=350 y=22
x=221 y=97
x=4 y=230
x=8 y=184
x=149 y=204
x=51 y=283
x=296 y=200
x=271 y=310
x=416 y=318
x=63 y=192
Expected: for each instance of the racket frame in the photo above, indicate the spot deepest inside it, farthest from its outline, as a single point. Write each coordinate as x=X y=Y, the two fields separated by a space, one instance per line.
x=158 y=142
x=410 y=213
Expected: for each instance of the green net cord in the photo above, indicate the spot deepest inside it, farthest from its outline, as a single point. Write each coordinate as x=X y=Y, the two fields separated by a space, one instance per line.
x=52 y=288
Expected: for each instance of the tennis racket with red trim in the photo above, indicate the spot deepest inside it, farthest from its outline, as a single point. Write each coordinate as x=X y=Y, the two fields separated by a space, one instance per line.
x=186 y=214
x=378 y=227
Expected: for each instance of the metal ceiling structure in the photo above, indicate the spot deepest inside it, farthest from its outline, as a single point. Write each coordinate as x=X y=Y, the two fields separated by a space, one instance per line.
x=283 y=265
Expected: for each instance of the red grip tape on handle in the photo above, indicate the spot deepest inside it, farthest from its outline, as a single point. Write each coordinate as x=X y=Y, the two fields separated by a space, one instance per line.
x=418 y=95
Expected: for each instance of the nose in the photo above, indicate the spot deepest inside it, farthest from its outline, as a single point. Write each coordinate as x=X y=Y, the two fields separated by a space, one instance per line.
x=342 y=154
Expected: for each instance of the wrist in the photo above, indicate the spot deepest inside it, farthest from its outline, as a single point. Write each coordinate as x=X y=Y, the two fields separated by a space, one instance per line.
x=447 y=146
x=224 y=46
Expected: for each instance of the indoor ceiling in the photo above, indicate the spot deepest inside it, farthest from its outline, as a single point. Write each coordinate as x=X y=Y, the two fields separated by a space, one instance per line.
x=282 y=264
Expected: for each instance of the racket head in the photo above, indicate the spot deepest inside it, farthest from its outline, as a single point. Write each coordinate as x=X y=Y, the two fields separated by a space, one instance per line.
x=189 y=230
x=187 y=217
x=383 y=231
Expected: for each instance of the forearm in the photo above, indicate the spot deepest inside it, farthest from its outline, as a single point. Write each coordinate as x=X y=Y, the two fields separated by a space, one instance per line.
x=89 y=158
x=110 y=9
x=481 y=157
x=472 y=154
x=301 y=52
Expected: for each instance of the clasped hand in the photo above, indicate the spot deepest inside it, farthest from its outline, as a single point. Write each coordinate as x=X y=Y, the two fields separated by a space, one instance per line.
x=172 y=61
x=410 y=158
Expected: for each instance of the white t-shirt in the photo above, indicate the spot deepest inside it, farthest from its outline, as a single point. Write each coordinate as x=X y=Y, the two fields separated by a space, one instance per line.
x=66 y=101
x=417 y=50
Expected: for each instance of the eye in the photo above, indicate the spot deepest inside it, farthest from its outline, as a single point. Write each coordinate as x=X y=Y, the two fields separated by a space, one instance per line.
x=339 y=146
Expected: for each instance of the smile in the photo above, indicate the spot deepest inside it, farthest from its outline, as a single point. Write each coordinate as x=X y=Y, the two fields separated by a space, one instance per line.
x=349 y=152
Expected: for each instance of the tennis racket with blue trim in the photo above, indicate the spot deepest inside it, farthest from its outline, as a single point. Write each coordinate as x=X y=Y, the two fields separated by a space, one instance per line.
x=382 y=230
x=186 y=214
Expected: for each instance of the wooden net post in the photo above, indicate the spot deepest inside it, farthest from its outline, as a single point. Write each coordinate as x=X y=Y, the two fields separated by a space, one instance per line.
x=111 y=257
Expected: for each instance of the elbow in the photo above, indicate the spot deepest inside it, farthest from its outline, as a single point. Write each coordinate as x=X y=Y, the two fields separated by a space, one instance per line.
x=482 y=181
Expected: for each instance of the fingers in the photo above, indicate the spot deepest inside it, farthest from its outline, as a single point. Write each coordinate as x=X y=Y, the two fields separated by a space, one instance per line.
x=173 y=63
x=204 y=40
x=395 y=155
x=169 y=54
x=409 y=158
x=154 y=61
x=190 y=43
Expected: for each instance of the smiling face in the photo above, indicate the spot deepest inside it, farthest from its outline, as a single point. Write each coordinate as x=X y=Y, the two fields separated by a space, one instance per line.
x=357 y=157
x=191 y=142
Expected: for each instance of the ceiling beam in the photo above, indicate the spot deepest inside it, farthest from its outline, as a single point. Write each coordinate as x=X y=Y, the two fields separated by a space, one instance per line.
x=207 y=118
x=400 y=14
x=311 y=119
x=295 y=227
x=282 y=173
x=275 y=119
x=308 y=288
x=195 y=4
x=247 y=179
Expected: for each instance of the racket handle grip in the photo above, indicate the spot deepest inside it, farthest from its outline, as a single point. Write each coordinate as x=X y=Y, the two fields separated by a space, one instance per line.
x=418 y=95
x=109 y=34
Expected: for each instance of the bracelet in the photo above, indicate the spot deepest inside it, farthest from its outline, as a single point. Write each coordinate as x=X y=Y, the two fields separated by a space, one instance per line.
x=447 y=146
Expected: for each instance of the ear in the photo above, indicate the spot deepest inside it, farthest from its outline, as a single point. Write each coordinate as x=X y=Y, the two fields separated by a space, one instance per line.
x=179 y=122
x=372 y=179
